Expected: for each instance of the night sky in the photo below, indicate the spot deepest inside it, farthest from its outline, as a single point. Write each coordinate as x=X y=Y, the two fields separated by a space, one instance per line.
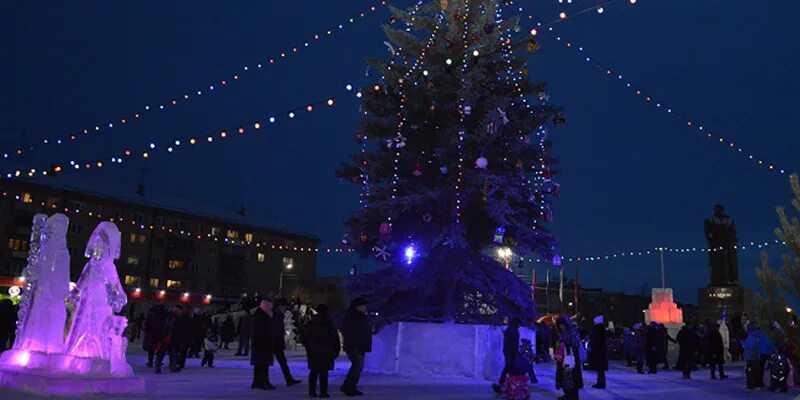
x=632 y=176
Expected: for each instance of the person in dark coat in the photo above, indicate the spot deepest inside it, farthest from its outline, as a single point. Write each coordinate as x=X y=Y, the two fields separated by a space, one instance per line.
x=569 y=378
x=261 y=354
x=357 y=332
x=199 y=333
x=321 y=340
x=598 y=353
x=184 y=336
x=687 y=341
x=638 y=346
x=245 y=330
x=510 y=351
x=280 y=341
x=227 y=332
x=153 y=330
x=8 y=322
x=652 y=347
x=168 y=341
x=716 y=352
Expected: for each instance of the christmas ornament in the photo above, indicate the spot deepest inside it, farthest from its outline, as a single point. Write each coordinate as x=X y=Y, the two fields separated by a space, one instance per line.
x=381 y=252
x=498 y=235
x=544 y=96
x=363 y=237
x=503 y=115
x=400 y=141
x=481 y=162
x=386 y=228
x=467 y=110
x=390 y=47
x=443 y=4
x=426 y=217
x=548 y=215
x=443 y=169
x=417 y=170
x=519 y=164
x=556 y=260
x=346 y=240
x=491 y=128
x=533 y=46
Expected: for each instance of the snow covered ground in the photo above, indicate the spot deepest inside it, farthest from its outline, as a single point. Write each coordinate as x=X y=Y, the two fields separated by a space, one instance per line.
x=231 y=380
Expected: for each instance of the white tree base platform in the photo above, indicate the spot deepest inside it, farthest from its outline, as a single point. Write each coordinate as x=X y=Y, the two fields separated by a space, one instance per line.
x=439 y=349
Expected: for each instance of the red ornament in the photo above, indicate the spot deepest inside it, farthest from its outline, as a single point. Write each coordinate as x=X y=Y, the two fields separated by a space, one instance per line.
x=417 y=170
x=519 y=164
x=386 y=228
x=363 y=237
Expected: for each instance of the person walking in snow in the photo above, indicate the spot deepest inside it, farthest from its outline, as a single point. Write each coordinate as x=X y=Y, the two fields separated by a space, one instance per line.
x=245 y=330
x=227 y=332
x=357 y=334
x=262 y=352
x=153 y=330
x=598 y=352
x=510 y=351
x=752 y=356
x=280 y=340
x=638 y=346
x=652 y=347
x=716 y=352
x=687 y=341
x=209 y=349
x=321 y=340
x=569 y=377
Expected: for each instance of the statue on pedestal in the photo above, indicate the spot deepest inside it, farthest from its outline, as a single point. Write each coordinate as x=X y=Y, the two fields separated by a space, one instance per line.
x=720 y=231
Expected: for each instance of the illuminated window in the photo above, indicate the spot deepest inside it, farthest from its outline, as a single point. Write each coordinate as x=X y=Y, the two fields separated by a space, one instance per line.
x=133 y=238
x=53 y=203
x=262 y=257
x=248 y=237
x=176 y=264
x=131 y=280
x=133 y=260
x=288 y=263
x=232 y=234
x=17 y=245
x=26 y=198
x=173 y=284
x=142 y=238
x=154 y=282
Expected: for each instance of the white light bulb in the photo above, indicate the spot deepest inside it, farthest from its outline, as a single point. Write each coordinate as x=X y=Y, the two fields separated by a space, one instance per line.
x=448 y=61
x=476 y=53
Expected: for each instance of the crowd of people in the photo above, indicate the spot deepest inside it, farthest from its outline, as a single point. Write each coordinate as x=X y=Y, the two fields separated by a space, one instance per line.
x=178 y=334
x=769 y=356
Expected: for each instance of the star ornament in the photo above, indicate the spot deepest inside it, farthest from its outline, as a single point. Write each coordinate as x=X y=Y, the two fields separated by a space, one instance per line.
x=381 y=252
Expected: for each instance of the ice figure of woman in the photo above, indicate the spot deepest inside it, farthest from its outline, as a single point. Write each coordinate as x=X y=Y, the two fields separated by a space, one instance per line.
x=97 y=296
x=42 y=312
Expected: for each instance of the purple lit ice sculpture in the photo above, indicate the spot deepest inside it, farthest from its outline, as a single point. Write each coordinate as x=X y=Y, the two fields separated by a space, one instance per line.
x=93 y=358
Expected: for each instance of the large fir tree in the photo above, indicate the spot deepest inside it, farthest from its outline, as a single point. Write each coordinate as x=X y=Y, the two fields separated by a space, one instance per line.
x=454 y=165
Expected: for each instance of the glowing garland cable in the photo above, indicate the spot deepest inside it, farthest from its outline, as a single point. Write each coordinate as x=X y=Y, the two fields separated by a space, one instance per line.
x=176 y=144
x=462 y=115
x=654 y=250
x=222 y=83
x=27 y=198
x=715 y=137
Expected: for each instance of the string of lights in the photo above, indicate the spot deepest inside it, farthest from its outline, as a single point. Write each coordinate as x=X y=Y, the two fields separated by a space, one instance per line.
x=690 y=123
x=116 y=124
x=462 y=106
x=173 y=146
x=27 y=198
x=653 y=250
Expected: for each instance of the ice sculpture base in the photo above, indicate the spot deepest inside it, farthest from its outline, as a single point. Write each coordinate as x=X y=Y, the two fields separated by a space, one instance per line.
x=61 y=374
x=43 y=382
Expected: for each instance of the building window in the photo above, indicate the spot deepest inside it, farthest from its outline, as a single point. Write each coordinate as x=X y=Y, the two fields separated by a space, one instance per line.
x=288 y=262
x=26 y=198
x=140 y=219
x=248 y=237
x=194 y=267
x=75 y=206
x=232 y=234
x=212 y=251
x=74 y=229
x=131 y=280
x=211 y=269
x=142 y=239
x=215 y=231
x=154 y=282
x=17 y=245
x=176 y=264
x=159 y=222
x=155 y=262
x=133 y=260
x=262 y=257
x=171 y=284
x=133 y=238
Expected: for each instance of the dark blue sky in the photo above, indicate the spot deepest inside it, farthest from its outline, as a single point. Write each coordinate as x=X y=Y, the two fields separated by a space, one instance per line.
x=633 y=177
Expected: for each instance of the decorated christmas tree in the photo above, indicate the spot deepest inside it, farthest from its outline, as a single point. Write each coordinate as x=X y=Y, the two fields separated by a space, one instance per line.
x=454 y=168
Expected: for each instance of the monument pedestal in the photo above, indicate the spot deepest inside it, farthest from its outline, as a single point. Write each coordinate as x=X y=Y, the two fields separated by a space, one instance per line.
x=715 y=301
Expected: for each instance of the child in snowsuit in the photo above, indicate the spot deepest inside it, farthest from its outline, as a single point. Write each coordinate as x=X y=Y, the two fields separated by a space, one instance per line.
x=516 y=386
x=778 y=366
x=210 y=347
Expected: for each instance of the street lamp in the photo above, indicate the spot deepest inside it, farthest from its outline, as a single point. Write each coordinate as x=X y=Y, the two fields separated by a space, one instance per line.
x=789 y=310
x=505 y=254
x=288 y=267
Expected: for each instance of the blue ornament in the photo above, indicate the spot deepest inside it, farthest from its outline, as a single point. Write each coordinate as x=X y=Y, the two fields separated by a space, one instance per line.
x=498 y=235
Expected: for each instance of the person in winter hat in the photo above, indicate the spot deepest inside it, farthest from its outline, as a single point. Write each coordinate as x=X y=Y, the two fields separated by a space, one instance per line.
x=598 y=352
x=752 y=356
x=321 y=340
x=357 y=334
x=510 y=351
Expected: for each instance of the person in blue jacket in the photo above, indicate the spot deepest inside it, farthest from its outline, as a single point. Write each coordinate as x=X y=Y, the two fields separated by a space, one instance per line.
x=766 y=347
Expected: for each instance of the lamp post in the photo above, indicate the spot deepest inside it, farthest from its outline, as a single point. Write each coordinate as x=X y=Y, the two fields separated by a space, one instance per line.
x=288 y=267
x=505 y=254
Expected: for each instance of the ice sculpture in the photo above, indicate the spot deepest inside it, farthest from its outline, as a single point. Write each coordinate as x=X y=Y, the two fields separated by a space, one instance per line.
x=93 y=358
x=42 y=313
x=97 y=296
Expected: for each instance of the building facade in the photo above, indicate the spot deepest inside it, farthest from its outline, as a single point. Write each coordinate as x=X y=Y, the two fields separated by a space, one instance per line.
x=169 y=251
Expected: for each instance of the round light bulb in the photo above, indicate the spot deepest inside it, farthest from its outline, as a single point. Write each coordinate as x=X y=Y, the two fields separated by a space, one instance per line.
x=448 y=61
